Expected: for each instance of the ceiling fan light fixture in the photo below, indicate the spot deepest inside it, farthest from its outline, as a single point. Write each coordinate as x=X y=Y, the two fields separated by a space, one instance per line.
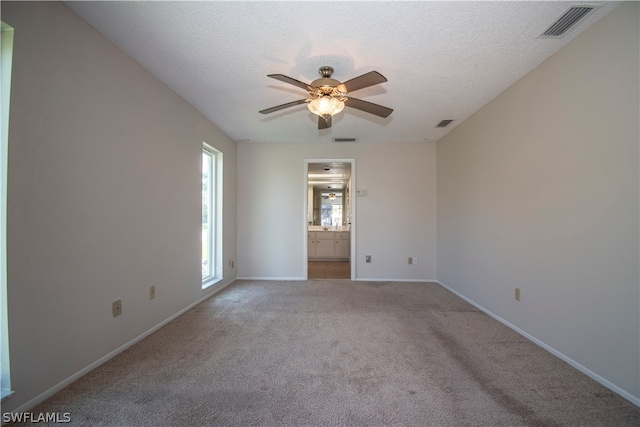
x=327 y=96
x=325 y=105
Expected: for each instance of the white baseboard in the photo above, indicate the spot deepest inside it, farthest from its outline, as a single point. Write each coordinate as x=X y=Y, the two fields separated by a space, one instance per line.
x=608 y=384
x=62 y=384
x=386 y=279
x=272 y=278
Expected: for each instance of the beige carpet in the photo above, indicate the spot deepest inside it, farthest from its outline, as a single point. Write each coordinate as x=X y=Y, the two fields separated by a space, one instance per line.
x=324 y=353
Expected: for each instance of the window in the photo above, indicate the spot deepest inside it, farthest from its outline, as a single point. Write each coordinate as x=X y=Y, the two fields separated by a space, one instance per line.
x=211 y=216
x=6 y=52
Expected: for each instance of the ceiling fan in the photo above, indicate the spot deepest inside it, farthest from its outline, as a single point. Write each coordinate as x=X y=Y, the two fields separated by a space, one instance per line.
x=328 y=96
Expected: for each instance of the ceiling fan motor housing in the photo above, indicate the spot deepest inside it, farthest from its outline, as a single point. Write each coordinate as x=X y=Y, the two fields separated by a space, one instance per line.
x=328 y=86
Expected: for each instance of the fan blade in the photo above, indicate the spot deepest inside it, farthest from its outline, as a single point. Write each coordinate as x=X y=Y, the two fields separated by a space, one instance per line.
x=365 y=80
x=324 y=123
x=290 y=80
x=283 y=106
x=368 y=107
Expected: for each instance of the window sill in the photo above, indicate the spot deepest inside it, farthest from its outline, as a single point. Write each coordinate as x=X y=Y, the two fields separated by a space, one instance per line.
x=5 y=393
x=210 y=282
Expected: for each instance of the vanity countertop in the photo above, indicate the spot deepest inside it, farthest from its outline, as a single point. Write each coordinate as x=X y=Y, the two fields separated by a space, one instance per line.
x=327 y=228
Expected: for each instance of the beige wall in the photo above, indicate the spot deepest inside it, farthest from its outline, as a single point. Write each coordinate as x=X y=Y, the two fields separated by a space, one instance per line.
x=395 y=220
x=539 y=190
x=103 y=199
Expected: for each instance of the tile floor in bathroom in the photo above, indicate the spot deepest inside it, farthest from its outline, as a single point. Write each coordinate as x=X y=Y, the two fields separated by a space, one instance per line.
x=329 y=270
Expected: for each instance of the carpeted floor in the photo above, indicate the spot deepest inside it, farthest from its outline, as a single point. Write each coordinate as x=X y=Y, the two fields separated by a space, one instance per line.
x=325 y=353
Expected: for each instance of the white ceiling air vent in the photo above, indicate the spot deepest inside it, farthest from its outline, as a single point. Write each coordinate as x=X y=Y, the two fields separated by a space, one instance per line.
x=344 y=140
x=567 y=21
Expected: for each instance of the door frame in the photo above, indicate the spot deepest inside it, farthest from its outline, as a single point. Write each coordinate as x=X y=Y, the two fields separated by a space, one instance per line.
x=352 y=206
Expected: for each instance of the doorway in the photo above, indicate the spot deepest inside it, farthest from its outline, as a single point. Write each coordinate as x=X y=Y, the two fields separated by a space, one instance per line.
x=329 y=219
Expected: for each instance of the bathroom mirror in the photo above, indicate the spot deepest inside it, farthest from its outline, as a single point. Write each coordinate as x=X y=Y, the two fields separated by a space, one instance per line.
x=329 y=194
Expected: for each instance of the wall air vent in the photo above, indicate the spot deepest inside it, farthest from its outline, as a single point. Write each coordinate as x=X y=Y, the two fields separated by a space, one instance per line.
x=567 y=21
x=444 y=123
x=344 y=140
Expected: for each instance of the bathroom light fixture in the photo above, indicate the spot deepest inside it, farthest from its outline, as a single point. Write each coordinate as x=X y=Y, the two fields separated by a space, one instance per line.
x=327 y=175
x=332 y=196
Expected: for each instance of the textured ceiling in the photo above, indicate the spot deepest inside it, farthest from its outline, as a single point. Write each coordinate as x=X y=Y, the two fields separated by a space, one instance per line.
x=443 y=60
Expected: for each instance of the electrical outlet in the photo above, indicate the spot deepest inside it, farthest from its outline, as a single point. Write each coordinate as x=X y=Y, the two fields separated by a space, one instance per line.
x=367 y=259
x=152 y=292
x=517 y=294
x=117 y=308
x=415 y=260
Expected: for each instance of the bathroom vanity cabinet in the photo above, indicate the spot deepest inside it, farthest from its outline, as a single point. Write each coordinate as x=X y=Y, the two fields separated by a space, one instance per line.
x=328 y=245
